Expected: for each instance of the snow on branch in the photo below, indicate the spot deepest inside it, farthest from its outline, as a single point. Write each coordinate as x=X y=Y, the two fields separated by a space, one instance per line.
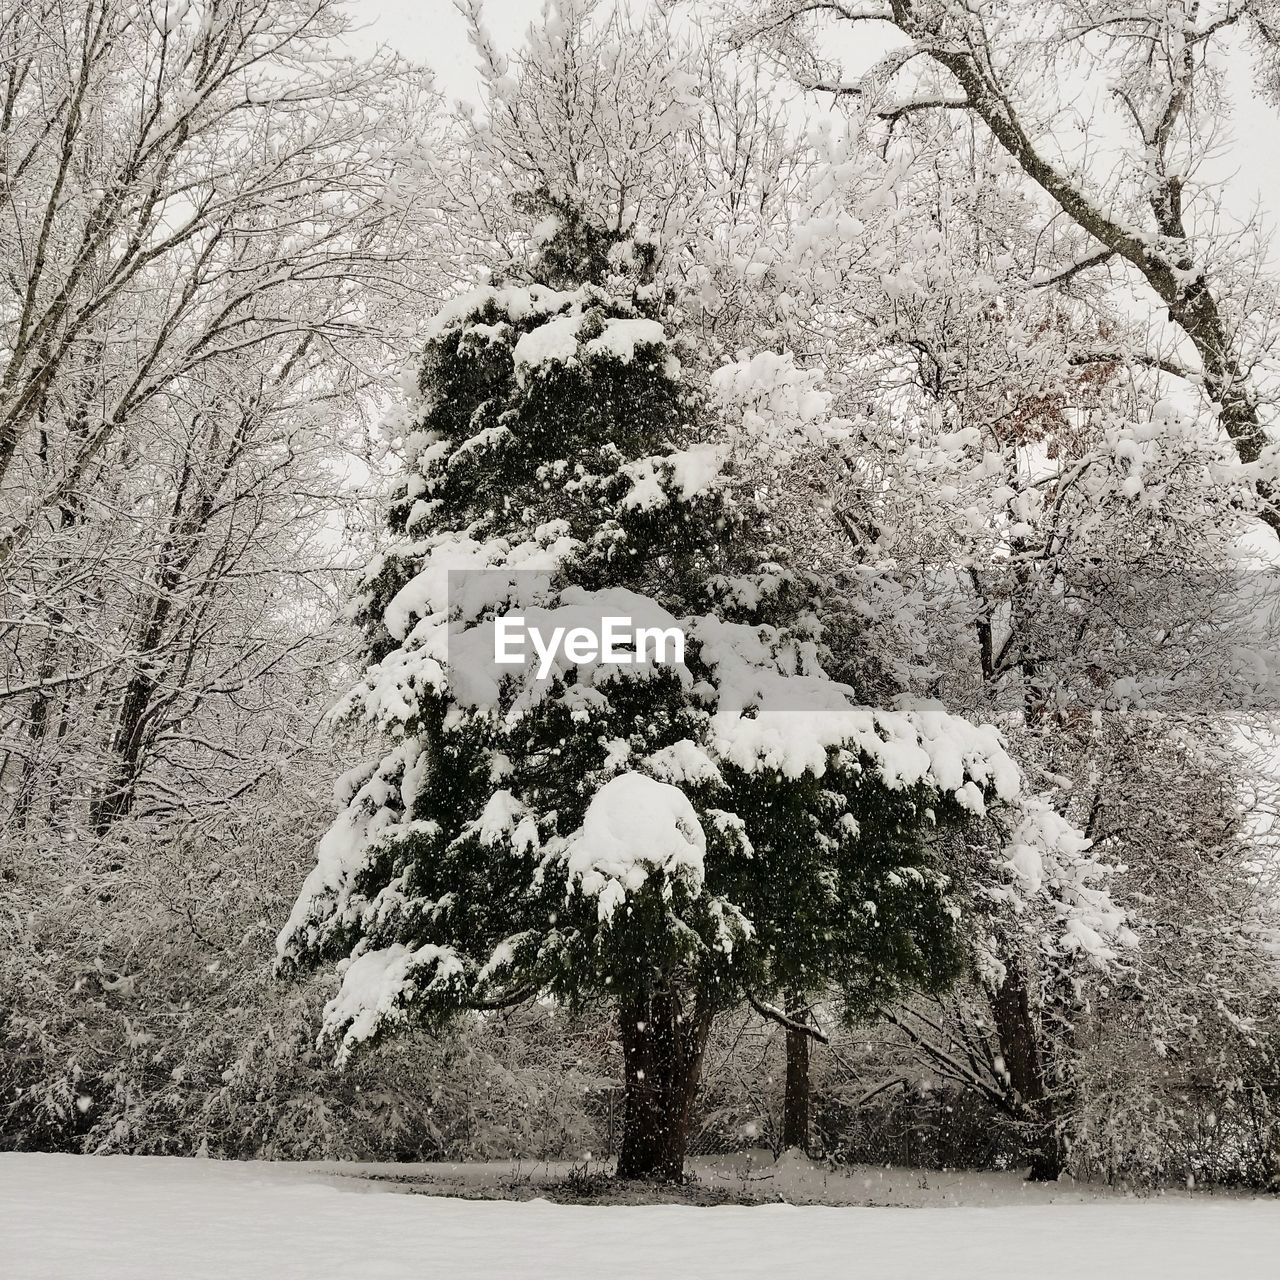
x=774 y=1014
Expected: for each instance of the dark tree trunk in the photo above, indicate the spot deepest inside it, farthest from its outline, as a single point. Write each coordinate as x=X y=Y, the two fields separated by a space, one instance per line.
x=1048 y=1159
x=1020 y=1048
x=795 y=1103
x=662 y=1058
x=117 y=797
x=36 y=727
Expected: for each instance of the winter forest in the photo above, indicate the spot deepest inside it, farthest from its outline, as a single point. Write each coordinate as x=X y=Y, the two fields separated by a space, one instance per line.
x=914 y=361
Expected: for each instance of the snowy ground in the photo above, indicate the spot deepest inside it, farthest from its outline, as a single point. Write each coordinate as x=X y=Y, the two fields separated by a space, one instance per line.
x=83 y=1218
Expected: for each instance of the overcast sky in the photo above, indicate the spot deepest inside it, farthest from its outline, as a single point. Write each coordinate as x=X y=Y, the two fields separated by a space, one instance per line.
x=433 y=32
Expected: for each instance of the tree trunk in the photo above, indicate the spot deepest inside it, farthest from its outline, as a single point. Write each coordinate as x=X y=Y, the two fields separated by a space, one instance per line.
x=662 y=1058
x=1020 y=1049
x=795 y=1104
x=116 y=798
x=37 y=724
x=1048 y=1159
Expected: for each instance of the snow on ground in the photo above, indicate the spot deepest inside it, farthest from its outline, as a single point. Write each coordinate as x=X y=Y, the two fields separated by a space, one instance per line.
x=137 y=1218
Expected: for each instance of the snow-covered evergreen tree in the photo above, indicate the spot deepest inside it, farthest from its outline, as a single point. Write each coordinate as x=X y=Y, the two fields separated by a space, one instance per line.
x=667 y=837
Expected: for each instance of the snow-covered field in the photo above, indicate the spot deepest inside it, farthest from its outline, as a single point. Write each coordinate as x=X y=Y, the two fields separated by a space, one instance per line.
x=126 y=1218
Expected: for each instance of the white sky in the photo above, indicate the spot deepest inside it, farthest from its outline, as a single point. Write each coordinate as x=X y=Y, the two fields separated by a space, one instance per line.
x=432 y=31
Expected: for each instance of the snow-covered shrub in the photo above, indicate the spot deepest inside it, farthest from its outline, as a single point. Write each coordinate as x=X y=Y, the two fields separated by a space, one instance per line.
x=139 y=1014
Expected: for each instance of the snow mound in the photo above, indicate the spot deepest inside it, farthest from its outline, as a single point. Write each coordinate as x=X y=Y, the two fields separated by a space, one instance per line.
x=621 y=338
x=378 y=984
x=636 y=827
x=514 y=301
x=555 y=342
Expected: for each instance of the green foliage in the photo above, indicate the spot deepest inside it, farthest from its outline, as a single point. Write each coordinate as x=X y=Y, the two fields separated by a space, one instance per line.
x=560 y=429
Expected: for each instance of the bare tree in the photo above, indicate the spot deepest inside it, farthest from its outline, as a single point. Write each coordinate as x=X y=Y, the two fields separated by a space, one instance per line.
x=1159 y=62
x=215 y=237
